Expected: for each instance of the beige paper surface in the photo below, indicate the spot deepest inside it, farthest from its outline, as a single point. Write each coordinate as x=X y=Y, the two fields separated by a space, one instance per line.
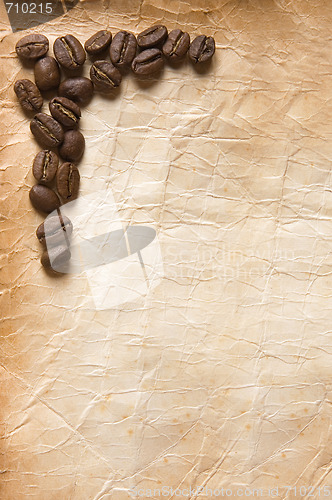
x=220 y=377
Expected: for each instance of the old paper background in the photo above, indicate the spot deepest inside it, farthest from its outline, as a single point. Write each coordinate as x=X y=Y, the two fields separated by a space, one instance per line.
x=222 y=375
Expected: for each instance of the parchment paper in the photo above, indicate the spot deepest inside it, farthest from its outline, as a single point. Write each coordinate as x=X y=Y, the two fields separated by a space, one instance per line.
x=221 y=376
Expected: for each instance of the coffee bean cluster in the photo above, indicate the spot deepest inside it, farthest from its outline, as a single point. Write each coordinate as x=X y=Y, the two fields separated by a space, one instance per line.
x=58 y=181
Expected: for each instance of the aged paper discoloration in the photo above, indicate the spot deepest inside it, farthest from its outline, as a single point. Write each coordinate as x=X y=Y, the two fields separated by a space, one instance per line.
x=221 y=377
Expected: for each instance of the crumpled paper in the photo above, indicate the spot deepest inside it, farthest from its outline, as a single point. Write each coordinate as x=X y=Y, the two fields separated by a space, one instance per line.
x=220 y=377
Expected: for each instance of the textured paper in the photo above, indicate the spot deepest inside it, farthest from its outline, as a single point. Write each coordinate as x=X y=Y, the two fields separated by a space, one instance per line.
x=221 y=376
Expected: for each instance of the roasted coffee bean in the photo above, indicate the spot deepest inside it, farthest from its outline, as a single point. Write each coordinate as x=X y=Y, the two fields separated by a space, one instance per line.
x=28 y=94
x=46 y=130
x=201 y=49
x=73 y=146
x=69 y=52
x=152 y=36
x=32 y=46
x=123 y=49
x=55 y=230
x=176 y=45
x=105 y=76
x=147 y=62
x=65 y=111
x=98 y=42
x=56 y=257
x=79 y=89
x=43 y=198
x=68 y=181
x=45 y=166
x=47 y=73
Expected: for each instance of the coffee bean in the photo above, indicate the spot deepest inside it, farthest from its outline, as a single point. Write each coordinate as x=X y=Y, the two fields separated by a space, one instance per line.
x=55 y=258
x=46 y=130
x=45 y=166
x=105 y=76
x=56 y=229
x=147 y=62
x=79 y=89
x=47 y=73
x=65 y=111
x=176 y=45
x=152 y=36
x=68 y=181
x=73 y=146
x=32 y=46
x=28 y=94
x=43 y=198
x=69 y=52
x=201 y=49
x=98 y=42
x=123 y=49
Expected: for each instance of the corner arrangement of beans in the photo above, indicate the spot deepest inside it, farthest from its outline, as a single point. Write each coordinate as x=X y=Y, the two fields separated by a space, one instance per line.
x=144 y=54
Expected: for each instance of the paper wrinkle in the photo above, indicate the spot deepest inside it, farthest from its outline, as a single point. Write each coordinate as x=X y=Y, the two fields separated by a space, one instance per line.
x=221 y=376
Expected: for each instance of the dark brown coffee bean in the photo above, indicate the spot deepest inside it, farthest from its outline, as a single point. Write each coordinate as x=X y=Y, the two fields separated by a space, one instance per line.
x=98 y=42
x=32 y=46
x=56 y=229
x=201 y=49
x=123 y=49
x=28 y=94
x=73 y=146
x=43 y=198
x=55 y=258
x=79 y=89
x=65 y=111
x=105 y=76
x=147 y=62
x=152 y=36
x=45 y=166
x=69 y=52
x=47 y=73
x=176 y=45
x=68 y=181
x=46 y=130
